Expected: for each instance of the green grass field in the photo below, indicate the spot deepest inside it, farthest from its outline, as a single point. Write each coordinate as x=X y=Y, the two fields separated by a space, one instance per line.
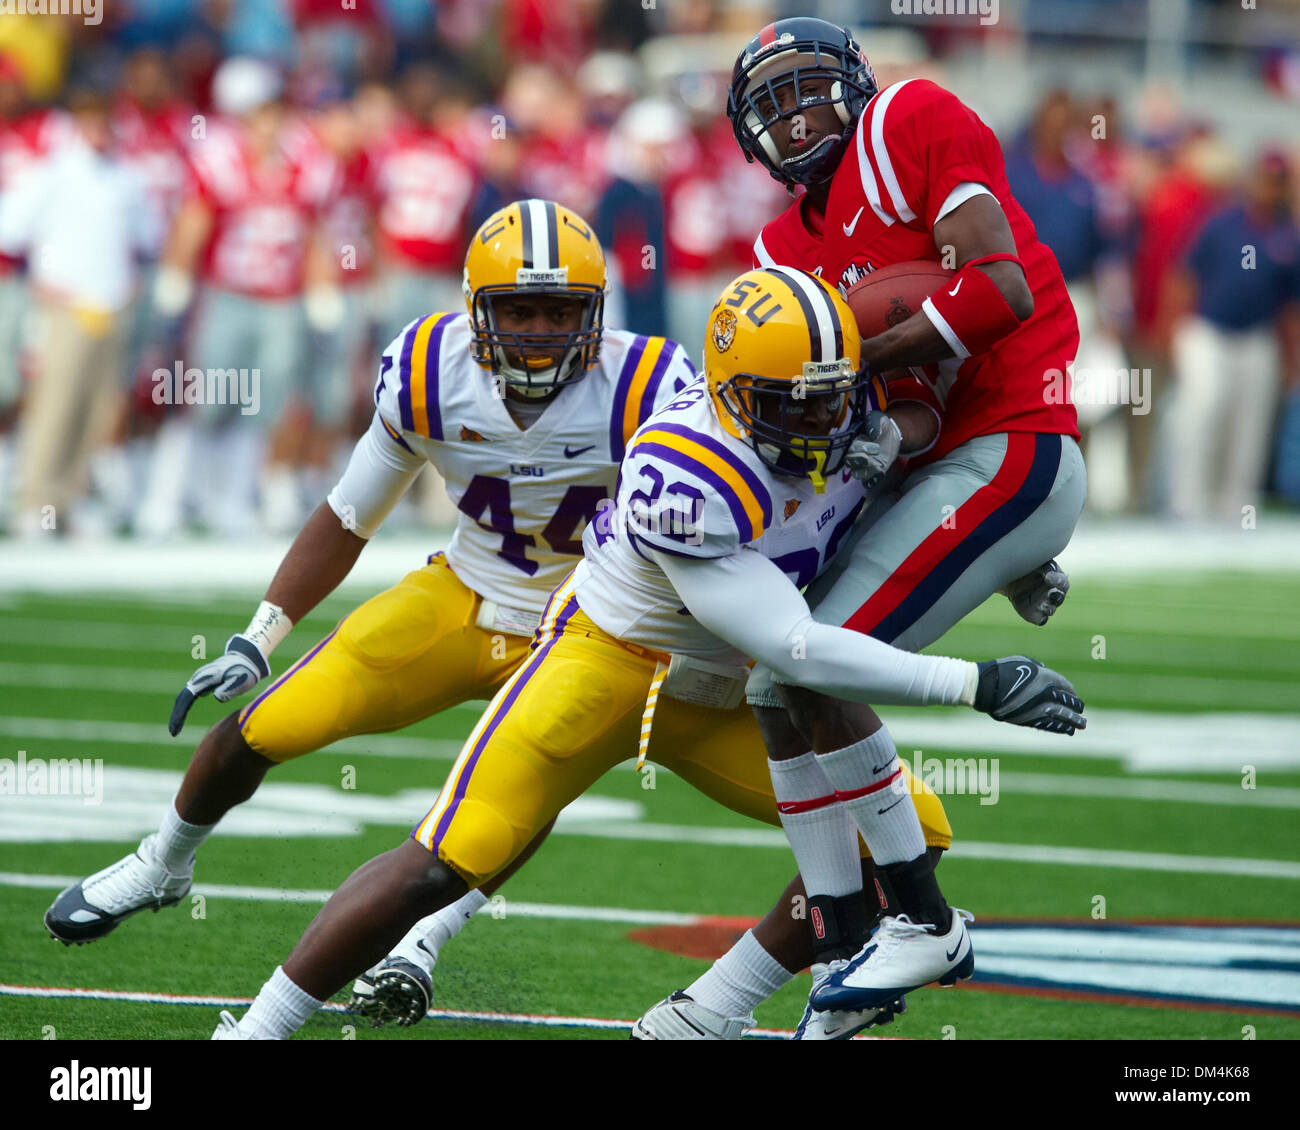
x=93 y=677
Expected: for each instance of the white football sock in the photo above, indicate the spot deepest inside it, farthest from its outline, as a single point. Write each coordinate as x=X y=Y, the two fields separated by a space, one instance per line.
x=870 y=784
x=743 y=977
x=422 y=942
x=178 y=841
x=821 y=831
x=281 y=1008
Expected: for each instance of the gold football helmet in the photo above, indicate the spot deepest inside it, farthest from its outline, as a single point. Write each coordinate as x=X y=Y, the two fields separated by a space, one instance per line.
x=540 y=249
x=782 y=360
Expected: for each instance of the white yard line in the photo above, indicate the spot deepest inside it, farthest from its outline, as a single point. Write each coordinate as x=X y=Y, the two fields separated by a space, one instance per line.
x=1148 y=789
x=155 y=734
x=523 y=1018
x=961 y=850
x=91 y=677
x=1142 y=741
x=506 y=908
x=1101 y=548
x=774 y=838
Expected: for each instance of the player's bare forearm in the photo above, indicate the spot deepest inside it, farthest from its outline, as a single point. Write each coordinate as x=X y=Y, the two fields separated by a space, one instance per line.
x=977 y=228
x=917 y=422
x=322 y=554
x=913 y=342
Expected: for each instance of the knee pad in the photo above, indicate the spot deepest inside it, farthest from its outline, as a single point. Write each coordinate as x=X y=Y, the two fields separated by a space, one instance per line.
x=480 y=843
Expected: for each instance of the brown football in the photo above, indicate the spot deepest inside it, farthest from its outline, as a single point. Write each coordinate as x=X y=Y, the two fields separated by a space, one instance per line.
x=893 y=294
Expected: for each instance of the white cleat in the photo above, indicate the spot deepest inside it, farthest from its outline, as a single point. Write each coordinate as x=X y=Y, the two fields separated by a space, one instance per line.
x=228 y=1029
x=901 y=956
x=838 y=1024
x=680 y=1018
x=92 y=908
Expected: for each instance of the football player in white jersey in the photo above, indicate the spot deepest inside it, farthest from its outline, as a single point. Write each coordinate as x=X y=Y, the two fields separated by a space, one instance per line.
x=524 y=407
x=781 y=400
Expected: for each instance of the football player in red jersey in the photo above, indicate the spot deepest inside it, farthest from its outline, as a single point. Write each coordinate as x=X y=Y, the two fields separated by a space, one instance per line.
x=893 y=175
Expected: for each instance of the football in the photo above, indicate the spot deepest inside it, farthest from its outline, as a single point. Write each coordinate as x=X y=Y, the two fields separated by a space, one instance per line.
x=893 y=294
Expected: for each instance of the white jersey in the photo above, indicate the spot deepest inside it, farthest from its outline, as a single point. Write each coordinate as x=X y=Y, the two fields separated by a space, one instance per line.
x=689 y=488
x=525 y=496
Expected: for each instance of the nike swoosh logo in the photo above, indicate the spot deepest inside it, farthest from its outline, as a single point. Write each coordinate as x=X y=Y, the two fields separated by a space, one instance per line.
x=953 y=293
x=882 y=811
x=848 y=228
x=573 y=453
x=950 y=956
x=881 y=768
x=1025 y=672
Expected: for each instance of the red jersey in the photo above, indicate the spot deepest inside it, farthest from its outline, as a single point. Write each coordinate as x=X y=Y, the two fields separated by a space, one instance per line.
x=915 y=143
x=713 y=201
x=696 y=216
x=153 y=142
x=264 y=211
x=569 y=170
x=353 y=200
x=426 y=187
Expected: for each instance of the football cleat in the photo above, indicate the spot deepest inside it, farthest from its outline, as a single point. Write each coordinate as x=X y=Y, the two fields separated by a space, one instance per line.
x=836 y=1024
x=228 y=1029
x=901 y=956
x=680 y=1018
x=363 y=991
x=401 y=992
x=94 y=907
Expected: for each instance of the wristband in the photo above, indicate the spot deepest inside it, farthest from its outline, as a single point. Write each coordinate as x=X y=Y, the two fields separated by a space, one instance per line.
x=969 y=310
x=268 y=627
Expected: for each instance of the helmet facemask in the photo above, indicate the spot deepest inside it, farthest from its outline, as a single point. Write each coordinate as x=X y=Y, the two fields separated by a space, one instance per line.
x=755 y=106
x=773 y=412
x=537 y=364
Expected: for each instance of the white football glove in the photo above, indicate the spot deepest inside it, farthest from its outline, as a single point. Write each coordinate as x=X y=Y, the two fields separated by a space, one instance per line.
x=872 y=454
x=240 y=669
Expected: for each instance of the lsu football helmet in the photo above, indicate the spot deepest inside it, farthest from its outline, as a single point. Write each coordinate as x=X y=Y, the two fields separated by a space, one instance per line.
x=540 y=249
x=782 y=359
x=795 y=52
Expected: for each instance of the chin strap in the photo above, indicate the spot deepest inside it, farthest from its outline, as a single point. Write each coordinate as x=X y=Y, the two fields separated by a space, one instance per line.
x=817 y=474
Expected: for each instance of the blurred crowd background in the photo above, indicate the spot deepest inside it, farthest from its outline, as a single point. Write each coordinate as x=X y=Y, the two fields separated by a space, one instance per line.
x=280 y=185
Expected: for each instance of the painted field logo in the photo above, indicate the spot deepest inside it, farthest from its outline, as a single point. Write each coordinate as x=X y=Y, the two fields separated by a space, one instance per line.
x=75 y=1083
x=1223 y=967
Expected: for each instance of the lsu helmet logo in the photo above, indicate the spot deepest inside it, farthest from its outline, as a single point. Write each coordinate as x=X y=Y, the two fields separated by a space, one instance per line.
x=724 y=330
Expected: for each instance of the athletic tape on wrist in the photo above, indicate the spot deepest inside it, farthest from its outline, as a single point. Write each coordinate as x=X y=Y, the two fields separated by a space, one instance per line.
x=268 y=627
